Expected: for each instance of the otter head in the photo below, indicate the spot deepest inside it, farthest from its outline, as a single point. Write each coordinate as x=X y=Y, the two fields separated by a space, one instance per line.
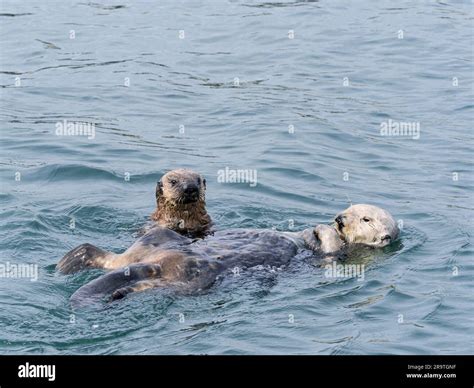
x=366 y=224
x=181 y=187
x=181 y=204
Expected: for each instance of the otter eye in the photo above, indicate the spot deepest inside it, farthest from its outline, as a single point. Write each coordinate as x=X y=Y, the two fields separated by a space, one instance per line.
x=366 y=219
x=199 y=181
x=173 y=181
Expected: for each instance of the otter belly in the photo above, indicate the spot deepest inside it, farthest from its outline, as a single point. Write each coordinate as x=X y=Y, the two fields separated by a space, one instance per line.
x=247 y=248
x=185 y=266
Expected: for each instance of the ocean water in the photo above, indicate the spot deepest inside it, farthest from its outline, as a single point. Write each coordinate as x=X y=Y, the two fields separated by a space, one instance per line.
x=307 y=93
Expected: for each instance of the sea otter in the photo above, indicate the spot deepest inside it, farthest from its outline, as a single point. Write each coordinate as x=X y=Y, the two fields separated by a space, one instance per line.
x=165 y=258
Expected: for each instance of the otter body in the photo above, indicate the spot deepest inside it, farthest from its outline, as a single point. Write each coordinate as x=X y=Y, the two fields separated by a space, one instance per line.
x=174 y=253
x=163 y=257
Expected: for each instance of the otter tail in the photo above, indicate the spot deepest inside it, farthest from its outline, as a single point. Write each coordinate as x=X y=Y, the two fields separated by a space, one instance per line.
x=81 y=257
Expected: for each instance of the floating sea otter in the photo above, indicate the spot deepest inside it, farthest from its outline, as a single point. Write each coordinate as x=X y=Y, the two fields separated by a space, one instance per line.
x=166 y=258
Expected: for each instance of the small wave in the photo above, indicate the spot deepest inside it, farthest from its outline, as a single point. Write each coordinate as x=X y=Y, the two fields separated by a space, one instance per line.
x=11 y=15
x=60 y=173
x=103 y=7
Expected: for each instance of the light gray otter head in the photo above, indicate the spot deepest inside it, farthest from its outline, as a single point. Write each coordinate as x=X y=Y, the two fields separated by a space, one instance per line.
x=366 y=224
x=181 y=203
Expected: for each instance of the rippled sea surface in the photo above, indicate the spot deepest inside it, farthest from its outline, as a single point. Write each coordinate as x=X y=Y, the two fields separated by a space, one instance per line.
x=245 y=85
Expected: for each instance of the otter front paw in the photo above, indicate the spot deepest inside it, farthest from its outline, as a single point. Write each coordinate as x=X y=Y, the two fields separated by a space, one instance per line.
x=328 y=239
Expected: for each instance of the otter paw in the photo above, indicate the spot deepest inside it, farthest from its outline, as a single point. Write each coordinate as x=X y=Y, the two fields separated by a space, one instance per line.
x=328 y=239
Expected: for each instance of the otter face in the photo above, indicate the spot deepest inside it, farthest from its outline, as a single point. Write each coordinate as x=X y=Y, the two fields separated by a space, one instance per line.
x=181 y=187
x=366 y=224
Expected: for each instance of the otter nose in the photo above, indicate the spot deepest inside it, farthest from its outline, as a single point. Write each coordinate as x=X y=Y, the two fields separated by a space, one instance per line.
x=191 y=189
x=339 y=220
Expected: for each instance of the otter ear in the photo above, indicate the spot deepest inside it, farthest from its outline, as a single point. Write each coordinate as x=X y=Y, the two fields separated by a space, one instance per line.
x=159 y=189
x=204 y=182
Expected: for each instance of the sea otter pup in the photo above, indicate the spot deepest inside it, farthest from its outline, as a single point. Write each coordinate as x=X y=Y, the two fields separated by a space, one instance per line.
x=180 y=206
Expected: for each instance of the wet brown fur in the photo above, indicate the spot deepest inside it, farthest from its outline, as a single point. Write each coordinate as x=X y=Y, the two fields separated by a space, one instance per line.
x=173 y=209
